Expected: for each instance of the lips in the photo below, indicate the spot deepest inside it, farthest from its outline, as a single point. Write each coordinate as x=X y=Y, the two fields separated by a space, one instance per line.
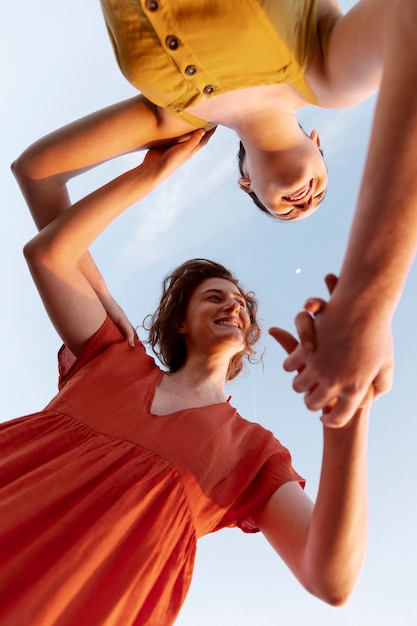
x=229 y=322
x=300 y=194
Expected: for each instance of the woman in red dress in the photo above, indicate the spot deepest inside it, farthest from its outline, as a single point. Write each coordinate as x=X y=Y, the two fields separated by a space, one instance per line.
x=105 y=492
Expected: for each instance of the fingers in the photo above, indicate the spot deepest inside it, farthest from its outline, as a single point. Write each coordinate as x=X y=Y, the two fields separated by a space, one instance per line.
x=314 y=305
x=131 y=336
x=338 y=411
x=127 y=330
x=295 y=361
x=196 y=140
x=284 y=338
x=383 y=381
x=304 y=324
x=199 y=139
x=331 y=282
x=369 y=397
x=207 y=136
x=341 y=411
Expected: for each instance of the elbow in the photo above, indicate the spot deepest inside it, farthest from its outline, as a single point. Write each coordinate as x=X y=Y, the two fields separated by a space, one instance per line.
x=28 y=165
x=36 y=253
x=333 y=593
x=336 y=599
x=31 y=252
x=20 y=167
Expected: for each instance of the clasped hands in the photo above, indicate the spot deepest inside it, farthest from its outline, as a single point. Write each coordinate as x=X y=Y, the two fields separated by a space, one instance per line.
x=337 y=397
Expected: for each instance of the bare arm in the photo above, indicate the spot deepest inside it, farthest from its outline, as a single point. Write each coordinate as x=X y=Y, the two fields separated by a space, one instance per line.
x=44 y=169
x=353 y=333
x=324 y=543
x=54 y=254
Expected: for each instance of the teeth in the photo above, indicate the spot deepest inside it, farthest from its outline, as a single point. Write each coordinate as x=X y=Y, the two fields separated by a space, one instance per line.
x=226 y=323
x=300 y=195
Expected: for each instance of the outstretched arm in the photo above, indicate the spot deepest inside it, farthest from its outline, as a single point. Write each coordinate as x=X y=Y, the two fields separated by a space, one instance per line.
x=324 y=543
x=354 y=331
x=44 y=169
x=54 y=254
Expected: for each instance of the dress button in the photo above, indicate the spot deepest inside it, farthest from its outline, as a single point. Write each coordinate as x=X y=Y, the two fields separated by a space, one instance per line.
x=208 y=90
x=151 y=5
x=190 y=70
x=172 y=42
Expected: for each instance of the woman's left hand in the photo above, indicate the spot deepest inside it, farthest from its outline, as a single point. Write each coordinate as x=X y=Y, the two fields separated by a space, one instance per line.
x=163 y=162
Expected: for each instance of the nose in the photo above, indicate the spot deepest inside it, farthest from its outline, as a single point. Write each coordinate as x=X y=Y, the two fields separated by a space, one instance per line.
x=233 y=305
x=306 y=204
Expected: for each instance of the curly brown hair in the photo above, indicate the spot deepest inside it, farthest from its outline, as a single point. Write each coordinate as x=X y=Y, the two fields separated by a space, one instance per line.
x=177 y=289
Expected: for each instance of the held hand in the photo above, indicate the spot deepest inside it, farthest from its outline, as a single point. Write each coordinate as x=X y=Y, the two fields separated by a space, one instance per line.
x=163 y=162
x=334 y=378
x=305 y=323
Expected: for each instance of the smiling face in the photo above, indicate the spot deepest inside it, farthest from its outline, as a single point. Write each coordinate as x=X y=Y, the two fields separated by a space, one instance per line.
x=290 y=183
x=217 y=319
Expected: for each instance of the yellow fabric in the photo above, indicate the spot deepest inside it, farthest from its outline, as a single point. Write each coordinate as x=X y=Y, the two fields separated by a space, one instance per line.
x=230 y=44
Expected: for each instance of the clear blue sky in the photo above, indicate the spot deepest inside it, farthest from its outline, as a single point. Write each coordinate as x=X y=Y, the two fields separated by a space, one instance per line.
x=57 y=65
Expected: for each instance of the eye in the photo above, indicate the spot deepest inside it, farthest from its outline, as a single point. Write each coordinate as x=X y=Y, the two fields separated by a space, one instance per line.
x=286 y=216
x=320 y=196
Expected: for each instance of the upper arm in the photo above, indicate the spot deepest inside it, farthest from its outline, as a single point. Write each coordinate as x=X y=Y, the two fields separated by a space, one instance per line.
x=124 y=127
x=348 y=65
x=285 y=521
x=72 y=305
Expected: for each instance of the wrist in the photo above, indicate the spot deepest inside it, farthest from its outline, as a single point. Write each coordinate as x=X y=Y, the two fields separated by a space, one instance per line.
x=363 y=302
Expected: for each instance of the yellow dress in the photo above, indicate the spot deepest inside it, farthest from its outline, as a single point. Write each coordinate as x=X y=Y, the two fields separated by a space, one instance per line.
x=177 y=51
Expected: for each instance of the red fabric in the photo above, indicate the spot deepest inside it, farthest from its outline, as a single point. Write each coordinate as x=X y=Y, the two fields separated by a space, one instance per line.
x=101 y=502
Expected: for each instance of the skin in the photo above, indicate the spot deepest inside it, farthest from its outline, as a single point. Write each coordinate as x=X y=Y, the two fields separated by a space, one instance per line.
x=372 y=47
x=294 y=184
x=322 y=543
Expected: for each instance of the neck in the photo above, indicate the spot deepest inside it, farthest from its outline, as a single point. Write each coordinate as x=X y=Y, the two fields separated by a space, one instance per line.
x=204 y=377
x=271 y=132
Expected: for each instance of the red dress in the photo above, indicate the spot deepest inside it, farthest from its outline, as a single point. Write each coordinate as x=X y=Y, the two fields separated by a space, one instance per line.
x=101 y=502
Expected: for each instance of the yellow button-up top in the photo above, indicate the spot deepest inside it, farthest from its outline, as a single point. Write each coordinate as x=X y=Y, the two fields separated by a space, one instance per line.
x=177 y=51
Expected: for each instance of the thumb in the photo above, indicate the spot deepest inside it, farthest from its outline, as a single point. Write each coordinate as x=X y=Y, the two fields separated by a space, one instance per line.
x=284 y=338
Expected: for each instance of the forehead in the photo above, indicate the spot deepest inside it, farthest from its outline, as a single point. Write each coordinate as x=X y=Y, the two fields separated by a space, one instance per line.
x=216 y=284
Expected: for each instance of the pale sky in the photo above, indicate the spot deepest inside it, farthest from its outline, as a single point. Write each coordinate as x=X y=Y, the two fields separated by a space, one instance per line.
x=58 y=65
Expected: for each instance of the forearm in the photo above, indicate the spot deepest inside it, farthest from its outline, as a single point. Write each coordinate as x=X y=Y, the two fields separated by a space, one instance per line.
x=337 y=533
x=384 y=234
x=67 y=238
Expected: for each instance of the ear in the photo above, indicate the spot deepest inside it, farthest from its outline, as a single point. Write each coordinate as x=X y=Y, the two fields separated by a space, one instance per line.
x=182 y=329
x=315 y=138
x=244 y=183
